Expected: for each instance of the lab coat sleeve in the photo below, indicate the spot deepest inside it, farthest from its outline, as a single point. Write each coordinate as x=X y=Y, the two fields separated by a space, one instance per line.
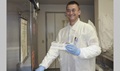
x=52 y=54
x=93 y=49
x=50 y=57
x=58 y=39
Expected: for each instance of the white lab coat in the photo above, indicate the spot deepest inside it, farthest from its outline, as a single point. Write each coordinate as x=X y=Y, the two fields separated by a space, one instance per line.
x=87 y=42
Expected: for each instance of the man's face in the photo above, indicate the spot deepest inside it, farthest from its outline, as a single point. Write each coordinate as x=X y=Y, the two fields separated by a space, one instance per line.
x=72 y=12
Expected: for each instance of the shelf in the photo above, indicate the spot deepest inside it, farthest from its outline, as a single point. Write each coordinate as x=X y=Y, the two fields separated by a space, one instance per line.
x=105 y=61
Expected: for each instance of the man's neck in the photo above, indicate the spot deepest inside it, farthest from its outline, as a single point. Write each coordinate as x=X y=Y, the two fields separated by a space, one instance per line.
x=73 y=22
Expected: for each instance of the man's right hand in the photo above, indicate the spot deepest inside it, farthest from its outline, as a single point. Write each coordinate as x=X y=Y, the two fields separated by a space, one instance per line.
x=40 y=68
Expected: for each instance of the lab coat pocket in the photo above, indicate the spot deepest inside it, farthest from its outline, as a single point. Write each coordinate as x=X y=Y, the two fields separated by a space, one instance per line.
x=81 y=42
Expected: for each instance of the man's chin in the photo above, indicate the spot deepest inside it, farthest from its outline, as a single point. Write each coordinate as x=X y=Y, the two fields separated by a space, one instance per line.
x=72 y=19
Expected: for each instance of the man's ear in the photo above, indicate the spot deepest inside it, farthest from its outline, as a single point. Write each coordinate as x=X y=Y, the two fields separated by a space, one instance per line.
x=79 y=12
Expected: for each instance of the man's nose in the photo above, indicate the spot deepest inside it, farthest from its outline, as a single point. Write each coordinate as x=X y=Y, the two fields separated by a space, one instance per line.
x=71 y=12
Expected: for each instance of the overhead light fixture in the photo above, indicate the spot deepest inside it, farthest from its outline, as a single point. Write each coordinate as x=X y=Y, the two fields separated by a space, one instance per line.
x=35 y=4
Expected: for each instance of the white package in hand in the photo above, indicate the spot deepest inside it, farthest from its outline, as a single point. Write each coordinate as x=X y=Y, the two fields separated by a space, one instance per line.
x=57 y=45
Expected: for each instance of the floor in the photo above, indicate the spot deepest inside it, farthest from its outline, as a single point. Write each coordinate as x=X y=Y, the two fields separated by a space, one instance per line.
x=27 y=65
x=53 y=69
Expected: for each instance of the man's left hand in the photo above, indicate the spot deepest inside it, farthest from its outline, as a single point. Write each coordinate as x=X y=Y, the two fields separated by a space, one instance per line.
x=72 y=49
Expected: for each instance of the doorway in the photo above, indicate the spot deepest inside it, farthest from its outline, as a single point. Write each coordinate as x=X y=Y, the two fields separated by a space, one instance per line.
x=54 y=22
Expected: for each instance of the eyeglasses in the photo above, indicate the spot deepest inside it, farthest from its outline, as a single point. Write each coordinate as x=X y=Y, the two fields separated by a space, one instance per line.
x=71 y=10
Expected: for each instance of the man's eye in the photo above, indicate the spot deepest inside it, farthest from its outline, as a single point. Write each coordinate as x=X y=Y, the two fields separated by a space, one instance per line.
x=68 y=10
x=72 y=10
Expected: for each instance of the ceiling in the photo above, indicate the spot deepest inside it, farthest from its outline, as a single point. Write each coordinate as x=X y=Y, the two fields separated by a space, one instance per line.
x=25 y=5
x=81 y=2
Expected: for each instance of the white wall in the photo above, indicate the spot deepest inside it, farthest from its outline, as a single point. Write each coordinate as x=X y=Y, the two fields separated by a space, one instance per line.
x=87 y=13
x=116 y=35
x=3 y=34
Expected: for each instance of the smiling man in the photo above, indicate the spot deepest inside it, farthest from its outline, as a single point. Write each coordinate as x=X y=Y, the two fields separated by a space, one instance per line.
x=73 y=12
x=80 y=42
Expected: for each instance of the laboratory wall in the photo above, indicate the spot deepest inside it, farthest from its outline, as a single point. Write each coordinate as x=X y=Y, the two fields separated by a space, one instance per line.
x=87 y=12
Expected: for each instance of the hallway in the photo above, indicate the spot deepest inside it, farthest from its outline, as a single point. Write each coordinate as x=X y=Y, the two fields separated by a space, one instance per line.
x=32 y=26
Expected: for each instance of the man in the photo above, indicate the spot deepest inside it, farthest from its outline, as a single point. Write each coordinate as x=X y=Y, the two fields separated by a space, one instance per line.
x=80 y=42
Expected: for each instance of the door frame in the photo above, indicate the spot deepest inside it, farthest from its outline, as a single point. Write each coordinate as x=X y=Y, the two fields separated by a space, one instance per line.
x=46 y=39
x=47 y=29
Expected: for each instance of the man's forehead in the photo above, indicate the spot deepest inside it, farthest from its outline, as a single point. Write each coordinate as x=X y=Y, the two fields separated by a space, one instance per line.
x=71 y=6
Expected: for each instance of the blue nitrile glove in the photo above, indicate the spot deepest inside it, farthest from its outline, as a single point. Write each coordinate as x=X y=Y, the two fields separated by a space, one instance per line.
x=72 y=49
x=40 y=68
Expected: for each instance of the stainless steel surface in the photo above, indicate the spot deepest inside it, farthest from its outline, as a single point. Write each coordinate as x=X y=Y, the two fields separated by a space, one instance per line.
x=13 y=27
x=12 y=40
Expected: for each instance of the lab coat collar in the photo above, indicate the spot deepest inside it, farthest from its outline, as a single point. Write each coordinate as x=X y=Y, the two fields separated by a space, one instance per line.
x=75 y=26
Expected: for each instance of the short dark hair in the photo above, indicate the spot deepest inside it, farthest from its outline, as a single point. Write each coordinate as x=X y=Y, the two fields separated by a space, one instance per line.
x=72 y=2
